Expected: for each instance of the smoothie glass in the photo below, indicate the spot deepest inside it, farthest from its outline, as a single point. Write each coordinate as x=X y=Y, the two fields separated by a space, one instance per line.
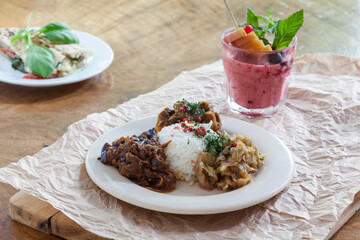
x=257 y=80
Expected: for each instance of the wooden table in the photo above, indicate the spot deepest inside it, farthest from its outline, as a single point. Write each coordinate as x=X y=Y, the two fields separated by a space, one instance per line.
x=153 y=41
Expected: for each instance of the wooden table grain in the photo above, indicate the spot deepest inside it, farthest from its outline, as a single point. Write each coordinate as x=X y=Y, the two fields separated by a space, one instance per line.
x=153 y=41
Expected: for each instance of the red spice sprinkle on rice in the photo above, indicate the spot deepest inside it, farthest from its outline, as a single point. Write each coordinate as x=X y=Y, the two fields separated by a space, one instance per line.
x=200 y=131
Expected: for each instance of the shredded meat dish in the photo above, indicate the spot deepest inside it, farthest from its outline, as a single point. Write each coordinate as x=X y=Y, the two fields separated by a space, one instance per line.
x=200 y=112
x=141 y=159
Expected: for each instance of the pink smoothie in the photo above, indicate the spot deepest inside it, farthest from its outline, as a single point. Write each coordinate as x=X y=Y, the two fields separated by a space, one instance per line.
x=257 y=80
x=257 y=86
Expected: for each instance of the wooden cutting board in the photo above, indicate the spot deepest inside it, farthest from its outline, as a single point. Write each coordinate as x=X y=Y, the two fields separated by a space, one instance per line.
x=40 y=215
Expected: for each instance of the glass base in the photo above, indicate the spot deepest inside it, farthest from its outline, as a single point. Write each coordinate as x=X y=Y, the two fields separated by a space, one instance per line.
x=256 y=112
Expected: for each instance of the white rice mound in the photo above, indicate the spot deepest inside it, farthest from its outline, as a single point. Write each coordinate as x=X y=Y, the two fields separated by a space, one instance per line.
x=183 y=149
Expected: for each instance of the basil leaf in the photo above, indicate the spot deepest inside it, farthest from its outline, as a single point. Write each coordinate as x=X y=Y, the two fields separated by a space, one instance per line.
x=287 y=29
x=20 y=34
x=29 y=20
x=251 y=18
x=40 y=60
x=27 y=39
x=54 y=26
x=59 y=32
x=62 y=37
x=17 y=64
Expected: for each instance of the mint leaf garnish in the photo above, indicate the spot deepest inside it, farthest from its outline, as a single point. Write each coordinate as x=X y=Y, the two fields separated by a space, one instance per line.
x=287 y=29
x=263 y=19
x=270 y=16
x=251 y=18
x=272 y=27
x=284 y=30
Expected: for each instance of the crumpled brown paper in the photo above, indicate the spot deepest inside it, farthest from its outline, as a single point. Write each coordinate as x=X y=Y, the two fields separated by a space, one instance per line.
x=320 y=124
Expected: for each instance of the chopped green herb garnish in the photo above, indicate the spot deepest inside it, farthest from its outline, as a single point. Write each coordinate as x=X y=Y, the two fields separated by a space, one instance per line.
x=193 y=110
x=215 y=144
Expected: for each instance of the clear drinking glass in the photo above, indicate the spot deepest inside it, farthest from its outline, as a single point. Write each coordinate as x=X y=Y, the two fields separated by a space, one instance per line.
x=257 y=80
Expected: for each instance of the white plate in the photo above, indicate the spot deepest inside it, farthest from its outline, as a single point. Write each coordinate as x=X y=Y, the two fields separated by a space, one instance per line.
x=271 y=178
x=103 y=57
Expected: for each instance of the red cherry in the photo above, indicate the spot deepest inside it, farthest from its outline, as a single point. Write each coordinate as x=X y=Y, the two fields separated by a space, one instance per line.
x=248 y=29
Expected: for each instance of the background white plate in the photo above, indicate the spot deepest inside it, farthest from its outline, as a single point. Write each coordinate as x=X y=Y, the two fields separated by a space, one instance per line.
x=103 y=57
x=274 y=176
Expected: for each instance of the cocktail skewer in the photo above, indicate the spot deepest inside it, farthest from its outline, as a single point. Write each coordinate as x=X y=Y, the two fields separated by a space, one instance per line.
x=231 y=15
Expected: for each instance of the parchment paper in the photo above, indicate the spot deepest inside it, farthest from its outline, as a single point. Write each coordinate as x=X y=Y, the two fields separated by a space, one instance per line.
x=320 y=124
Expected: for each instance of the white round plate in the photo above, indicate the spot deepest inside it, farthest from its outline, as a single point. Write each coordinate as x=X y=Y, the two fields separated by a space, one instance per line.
x=271 y=178
x=102 y=59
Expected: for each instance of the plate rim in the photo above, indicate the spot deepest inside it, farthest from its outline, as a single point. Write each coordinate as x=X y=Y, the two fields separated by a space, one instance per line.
x=70 y=78
x=189 y=210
